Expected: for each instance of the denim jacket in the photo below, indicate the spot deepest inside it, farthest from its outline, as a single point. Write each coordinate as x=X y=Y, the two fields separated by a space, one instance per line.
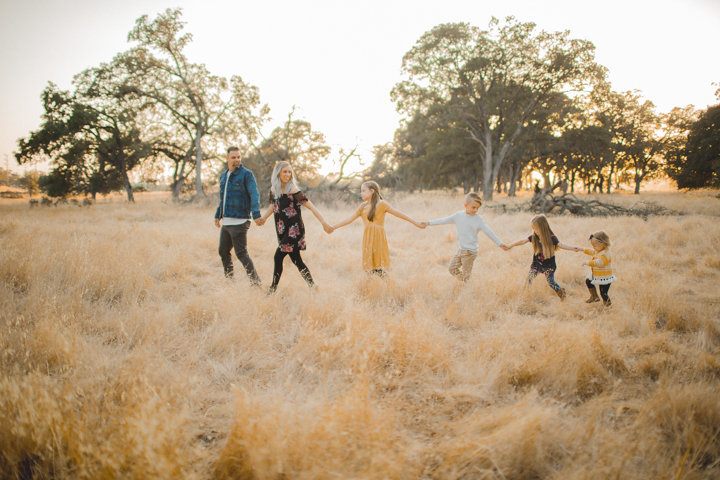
x=242 y=196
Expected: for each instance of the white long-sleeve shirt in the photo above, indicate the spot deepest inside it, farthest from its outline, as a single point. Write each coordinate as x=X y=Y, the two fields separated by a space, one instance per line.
x=467 y=229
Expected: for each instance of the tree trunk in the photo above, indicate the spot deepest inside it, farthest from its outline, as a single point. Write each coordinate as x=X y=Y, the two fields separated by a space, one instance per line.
x=637 y=184
x=179 y=175
x=511 y=174
x=126 y=183
x=488 y=179
x=546 y=180
x=176 y=188
x=198 y=162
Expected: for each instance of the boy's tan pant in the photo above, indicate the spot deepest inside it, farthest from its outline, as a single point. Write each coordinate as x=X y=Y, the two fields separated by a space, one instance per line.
x=462 y=263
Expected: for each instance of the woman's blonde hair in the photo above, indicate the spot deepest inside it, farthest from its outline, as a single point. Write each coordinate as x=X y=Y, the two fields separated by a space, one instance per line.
x=376 y=197
x=601 y=237
x=276 y=183
x=542 y=242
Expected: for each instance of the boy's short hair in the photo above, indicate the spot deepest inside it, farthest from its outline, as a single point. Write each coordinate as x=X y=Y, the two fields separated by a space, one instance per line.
x=473 y=197
x=232 y=149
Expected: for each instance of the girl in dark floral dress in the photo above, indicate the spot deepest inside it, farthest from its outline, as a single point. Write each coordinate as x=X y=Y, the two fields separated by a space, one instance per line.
x=286 y=200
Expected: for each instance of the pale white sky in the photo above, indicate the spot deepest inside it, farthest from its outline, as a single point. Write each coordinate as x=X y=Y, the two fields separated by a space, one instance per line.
x=337 y=61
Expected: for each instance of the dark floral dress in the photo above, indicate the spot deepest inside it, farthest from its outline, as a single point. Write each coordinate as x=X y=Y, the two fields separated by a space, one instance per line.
x=541 y=264
x=289 y=225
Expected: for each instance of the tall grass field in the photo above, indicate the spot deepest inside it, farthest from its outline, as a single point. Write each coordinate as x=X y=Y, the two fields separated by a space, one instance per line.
x=125 y=353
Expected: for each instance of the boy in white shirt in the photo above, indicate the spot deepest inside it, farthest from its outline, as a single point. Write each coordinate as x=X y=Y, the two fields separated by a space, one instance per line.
x=468 y=223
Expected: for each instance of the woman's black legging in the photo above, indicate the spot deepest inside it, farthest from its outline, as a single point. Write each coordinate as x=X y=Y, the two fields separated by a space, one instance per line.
x=297 y=260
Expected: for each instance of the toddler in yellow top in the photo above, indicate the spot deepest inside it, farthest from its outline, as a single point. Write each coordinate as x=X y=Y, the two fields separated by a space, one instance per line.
x=375 y=251
x=601 y=273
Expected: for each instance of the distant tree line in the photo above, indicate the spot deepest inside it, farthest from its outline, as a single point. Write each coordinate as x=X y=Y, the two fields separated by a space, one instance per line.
x=482 y=108
x=28 y=181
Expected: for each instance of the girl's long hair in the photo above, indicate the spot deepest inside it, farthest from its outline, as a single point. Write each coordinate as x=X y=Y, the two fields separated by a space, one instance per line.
x=542 y=242
x=376 y=197
x=276 y=184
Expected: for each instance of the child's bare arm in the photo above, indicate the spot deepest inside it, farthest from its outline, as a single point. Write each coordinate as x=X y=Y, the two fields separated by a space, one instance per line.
x=403 y=216
x=347 y=221
x=316 y=212
x=518 y=243
x=569 y=247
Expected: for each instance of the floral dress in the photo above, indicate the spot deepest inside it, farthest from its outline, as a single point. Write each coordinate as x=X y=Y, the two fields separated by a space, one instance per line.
x=289 y=225
x=541 y=264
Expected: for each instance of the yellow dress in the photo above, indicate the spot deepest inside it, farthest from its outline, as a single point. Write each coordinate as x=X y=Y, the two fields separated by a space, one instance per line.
x=375 y=251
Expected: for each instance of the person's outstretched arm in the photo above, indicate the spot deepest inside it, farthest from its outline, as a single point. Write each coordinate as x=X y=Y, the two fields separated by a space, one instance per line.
x=314 y=210
x=439 y=221
x=266 y=215
x=347 y=221
x=403 y=216
x=518 y=243
x=491 y=235
x=569 y=247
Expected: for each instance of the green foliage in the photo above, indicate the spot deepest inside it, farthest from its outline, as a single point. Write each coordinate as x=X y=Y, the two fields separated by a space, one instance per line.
x=29 y=182
x=56 y=183
x=697 y=164
x=92 y=135
x=432 y=152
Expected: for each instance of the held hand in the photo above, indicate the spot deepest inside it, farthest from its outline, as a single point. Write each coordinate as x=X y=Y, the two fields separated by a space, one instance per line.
x=578 y=249
x=505 y=247
x=424 y=224
x=328 y=229
x=259 y=221
x=217 y=222
x=420 y=224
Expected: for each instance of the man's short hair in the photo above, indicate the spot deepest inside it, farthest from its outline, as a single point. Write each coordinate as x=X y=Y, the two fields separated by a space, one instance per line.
x=473 y=197
x=233 y=149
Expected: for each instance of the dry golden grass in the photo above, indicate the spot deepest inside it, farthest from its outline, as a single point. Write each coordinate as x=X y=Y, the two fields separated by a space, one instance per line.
x=125 y=353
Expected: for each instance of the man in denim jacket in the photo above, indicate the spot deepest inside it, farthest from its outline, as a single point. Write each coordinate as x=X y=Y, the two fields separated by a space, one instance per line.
x=239 y=198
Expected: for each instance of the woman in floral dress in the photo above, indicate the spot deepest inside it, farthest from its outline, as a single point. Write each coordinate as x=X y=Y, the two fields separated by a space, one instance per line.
x=286 y=200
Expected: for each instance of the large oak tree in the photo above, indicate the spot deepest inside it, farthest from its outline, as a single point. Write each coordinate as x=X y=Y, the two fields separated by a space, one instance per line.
x=494 y=80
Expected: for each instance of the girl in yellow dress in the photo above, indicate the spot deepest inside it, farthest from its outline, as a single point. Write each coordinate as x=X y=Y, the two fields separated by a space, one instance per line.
x=375 y=252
